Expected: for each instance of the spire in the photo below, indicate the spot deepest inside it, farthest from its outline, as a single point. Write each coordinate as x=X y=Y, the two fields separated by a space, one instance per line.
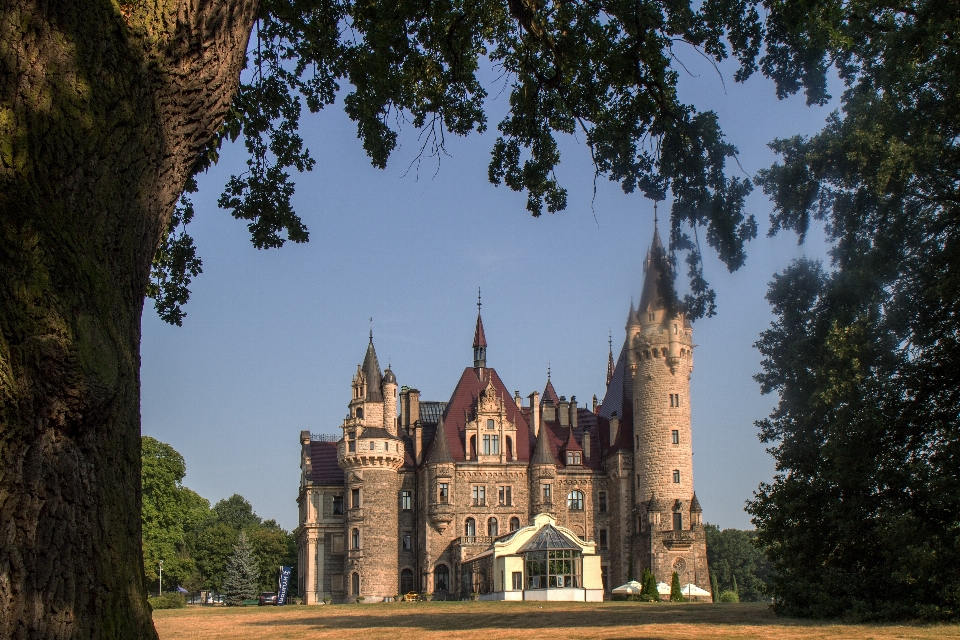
x=440 y=450
x=371 y=370
x=695 y=505
x=479 y=341
x=542 y=453
x=633 y=320
x=652 y=298
x=610 y=365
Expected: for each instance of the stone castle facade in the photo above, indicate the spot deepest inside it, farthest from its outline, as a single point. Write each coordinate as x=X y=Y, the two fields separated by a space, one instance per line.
x=413 y=490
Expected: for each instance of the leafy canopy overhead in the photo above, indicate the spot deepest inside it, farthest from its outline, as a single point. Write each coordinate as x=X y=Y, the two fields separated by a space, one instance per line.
x=603 y=69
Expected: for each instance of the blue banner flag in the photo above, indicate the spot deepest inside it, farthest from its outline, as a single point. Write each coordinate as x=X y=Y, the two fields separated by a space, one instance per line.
x=284 y=585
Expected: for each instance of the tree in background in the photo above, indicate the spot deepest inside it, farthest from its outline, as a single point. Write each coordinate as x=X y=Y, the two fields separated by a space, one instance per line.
x=714 y=587
x=735 y=559
x=676 y=593
x=242 y=578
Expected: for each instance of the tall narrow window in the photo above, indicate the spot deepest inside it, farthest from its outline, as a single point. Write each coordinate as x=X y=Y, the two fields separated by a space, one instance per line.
x=352 y=445
x=406 y=500
x=486 y=445
x=470 y=528
x=355 y=498
x=545 y=491
x=406 y=581
x=505 y=496
x=509 y=448
x=514 y=523
x=677 y=521
x=355 y=583
x=441 y=578
x=338 y=505
x=495 y=445
x=479 y=496
x=675 y=436
x=602 y=501
x=603 y=538
x=443 y=492
x=493 y=528
x=676 y=476
x=406 y=541
x=355 y=539
x=638 y=481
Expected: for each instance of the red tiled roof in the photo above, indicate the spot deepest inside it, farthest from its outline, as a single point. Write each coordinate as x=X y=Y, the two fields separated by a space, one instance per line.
x=549 y=393
x=463 y=402
x=323 y=464
x=479 y=339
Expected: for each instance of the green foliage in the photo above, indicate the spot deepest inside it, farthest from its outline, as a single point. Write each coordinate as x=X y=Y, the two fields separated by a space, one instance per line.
x=602 y=71
x=176 y=263
x=729 y=596
x=168 y=600
x=714 y=587
x=649 y=591
x=735 y=559
x=676 y=594
x=242 y=574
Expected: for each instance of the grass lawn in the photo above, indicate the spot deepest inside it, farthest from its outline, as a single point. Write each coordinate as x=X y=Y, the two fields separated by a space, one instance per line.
x=491 y=620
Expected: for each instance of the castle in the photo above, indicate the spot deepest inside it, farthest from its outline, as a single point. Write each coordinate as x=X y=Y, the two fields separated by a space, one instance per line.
x=419 y=499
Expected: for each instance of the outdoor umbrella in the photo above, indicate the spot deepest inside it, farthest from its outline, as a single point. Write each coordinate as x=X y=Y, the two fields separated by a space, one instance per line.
x=633 y=588
x=691 y=589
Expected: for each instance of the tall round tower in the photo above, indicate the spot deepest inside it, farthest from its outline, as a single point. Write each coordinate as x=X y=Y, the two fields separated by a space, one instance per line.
x=371 y=457
x=663 y=352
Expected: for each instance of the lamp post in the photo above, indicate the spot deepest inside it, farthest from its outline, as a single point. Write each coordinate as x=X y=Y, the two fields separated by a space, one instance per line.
x=161 y=578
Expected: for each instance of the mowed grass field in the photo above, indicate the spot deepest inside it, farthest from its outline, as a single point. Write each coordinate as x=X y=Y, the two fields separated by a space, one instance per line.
x=495 y=620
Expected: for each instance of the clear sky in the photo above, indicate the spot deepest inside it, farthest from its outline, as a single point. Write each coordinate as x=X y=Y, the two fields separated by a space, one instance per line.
x=273 y=338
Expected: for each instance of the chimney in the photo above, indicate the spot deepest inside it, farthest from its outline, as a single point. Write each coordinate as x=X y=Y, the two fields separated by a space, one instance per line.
x=614 y=429
x=535 y=412
x=517 y=399
x=564 y=412
x=413 y=417
x=304 y=437
x=586 y=445
x=595 y=405
x=549 y=411
x=573 y=412
x=418 y=442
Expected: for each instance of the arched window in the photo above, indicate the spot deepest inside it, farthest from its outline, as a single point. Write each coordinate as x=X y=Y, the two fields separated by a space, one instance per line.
x=470 y=528
x=514 y=523
x=359 y=415
x=575 y=500
x=406 y=581
x=355 y=584
x=441 y=578
x=493 y=528
x=355 y=539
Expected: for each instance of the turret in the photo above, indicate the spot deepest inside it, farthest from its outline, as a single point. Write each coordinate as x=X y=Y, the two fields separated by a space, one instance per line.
x=479 y=343
x=440 y=478
x=390 y=402
x=543 y=473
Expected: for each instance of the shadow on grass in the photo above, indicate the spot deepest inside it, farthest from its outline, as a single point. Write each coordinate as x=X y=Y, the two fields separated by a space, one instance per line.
x=518 y=616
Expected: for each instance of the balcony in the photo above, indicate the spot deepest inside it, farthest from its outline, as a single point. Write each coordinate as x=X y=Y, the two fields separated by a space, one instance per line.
x=441 y=515
x=678 y=539
x=473 y=541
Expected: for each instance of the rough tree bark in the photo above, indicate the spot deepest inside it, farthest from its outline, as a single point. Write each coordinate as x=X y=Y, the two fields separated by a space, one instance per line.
x=104 y=108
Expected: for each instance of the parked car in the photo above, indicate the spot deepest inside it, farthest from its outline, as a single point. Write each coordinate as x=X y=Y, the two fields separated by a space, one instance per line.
x=267 y=597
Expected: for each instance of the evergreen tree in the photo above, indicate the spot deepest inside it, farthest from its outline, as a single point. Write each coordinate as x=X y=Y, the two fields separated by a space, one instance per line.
x=714 y=587
x=676 y=593
x=243 y=574
x=650 y=591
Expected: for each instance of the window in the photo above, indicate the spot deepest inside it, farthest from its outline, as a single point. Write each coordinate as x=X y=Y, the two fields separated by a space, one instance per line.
x=677 y=521
x=493 y=528
x=603 y=538
x=441 y=578
x=675 y=436
x=518 y=580
x=651 y=316
x=509 y=448
x=553 y=569
x=355 y=498
x=443 y=491
x=514 y=523
x=602 y=501
x=491 y=425
x=575 y=500
x=359 y=412
x=505 y=496
x=406 y=581
x=406 y=542
x=336 y=543
x=372 y=445
x=338 y=505
x=676 y=476
x=473 y=447
x=545 y=490
x=406 y=500
x=355 y=539
x=573 y=457
x=674 y=399
x=479 y=496
x=355 y=583
x=470 y=528
x=638 y=481
x=491 y=445
x=352 y=445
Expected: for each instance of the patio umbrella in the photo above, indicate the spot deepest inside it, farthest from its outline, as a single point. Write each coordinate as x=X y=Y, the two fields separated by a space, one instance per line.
x=691 y=589
x=182 y=590
x=633 y=588
x=663 y=588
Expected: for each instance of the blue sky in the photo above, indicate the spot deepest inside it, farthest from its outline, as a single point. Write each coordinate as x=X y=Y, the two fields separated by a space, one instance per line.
x=272 y=338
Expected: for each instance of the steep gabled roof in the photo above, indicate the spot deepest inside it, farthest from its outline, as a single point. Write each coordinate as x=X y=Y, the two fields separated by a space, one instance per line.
x=549 y=393
x=463 y=402
x=571 y=443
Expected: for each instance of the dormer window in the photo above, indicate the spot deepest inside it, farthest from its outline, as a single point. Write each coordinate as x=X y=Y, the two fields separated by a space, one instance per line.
x=491 y=424
x=573 y=457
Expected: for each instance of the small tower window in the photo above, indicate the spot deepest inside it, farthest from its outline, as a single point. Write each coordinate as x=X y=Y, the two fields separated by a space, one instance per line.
x=355 y=539
x=355 y=498
x=651 y=317
x=372 y=445
x=355 y=583
x=675 y=436
x=676 y=476
x=491 y=424
x=359 y=412
x=443 y=492
x=677 y=521
x=573 y=457
x=546 y=492
x=406 y=500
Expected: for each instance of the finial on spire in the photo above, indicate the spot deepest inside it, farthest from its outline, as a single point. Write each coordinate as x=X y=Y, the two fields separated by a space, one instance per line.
x=548 y=372
x=479 y=340
x=478 y=300
x=654 y=214
x=371 y=330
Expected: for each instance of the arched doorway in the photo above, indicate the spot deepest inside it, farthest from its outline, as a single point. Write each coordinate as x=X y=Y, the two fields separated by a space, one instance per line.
x=406 y=581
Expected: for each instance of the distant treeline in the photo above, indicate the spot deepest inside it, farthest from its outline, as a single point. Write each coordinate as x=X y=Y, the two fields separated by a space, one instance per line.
x=737 y=564
x=195 y=540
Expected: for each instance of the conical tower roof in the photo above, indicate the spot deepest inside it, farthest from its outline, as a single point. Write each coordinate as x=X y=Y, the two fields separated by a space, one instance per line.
x=610 y=364
x=440 y=450
x=371 y=369
x=633 y=319
x=654 y=504
x=652 y=298
x=695 y=505
x=542 y=453
x=479 y=339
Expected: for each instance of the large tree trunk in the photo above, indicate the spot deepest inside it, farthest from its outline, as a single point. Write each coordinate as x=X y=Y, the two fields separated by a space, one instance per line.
x=104 y=108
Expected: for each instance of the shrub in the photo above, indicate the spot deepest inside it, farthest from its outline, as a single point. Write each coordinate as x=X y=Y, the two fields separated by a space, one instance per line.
x=168 y=601
x=676 y=595
x=729 y=596
x=649 y=593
